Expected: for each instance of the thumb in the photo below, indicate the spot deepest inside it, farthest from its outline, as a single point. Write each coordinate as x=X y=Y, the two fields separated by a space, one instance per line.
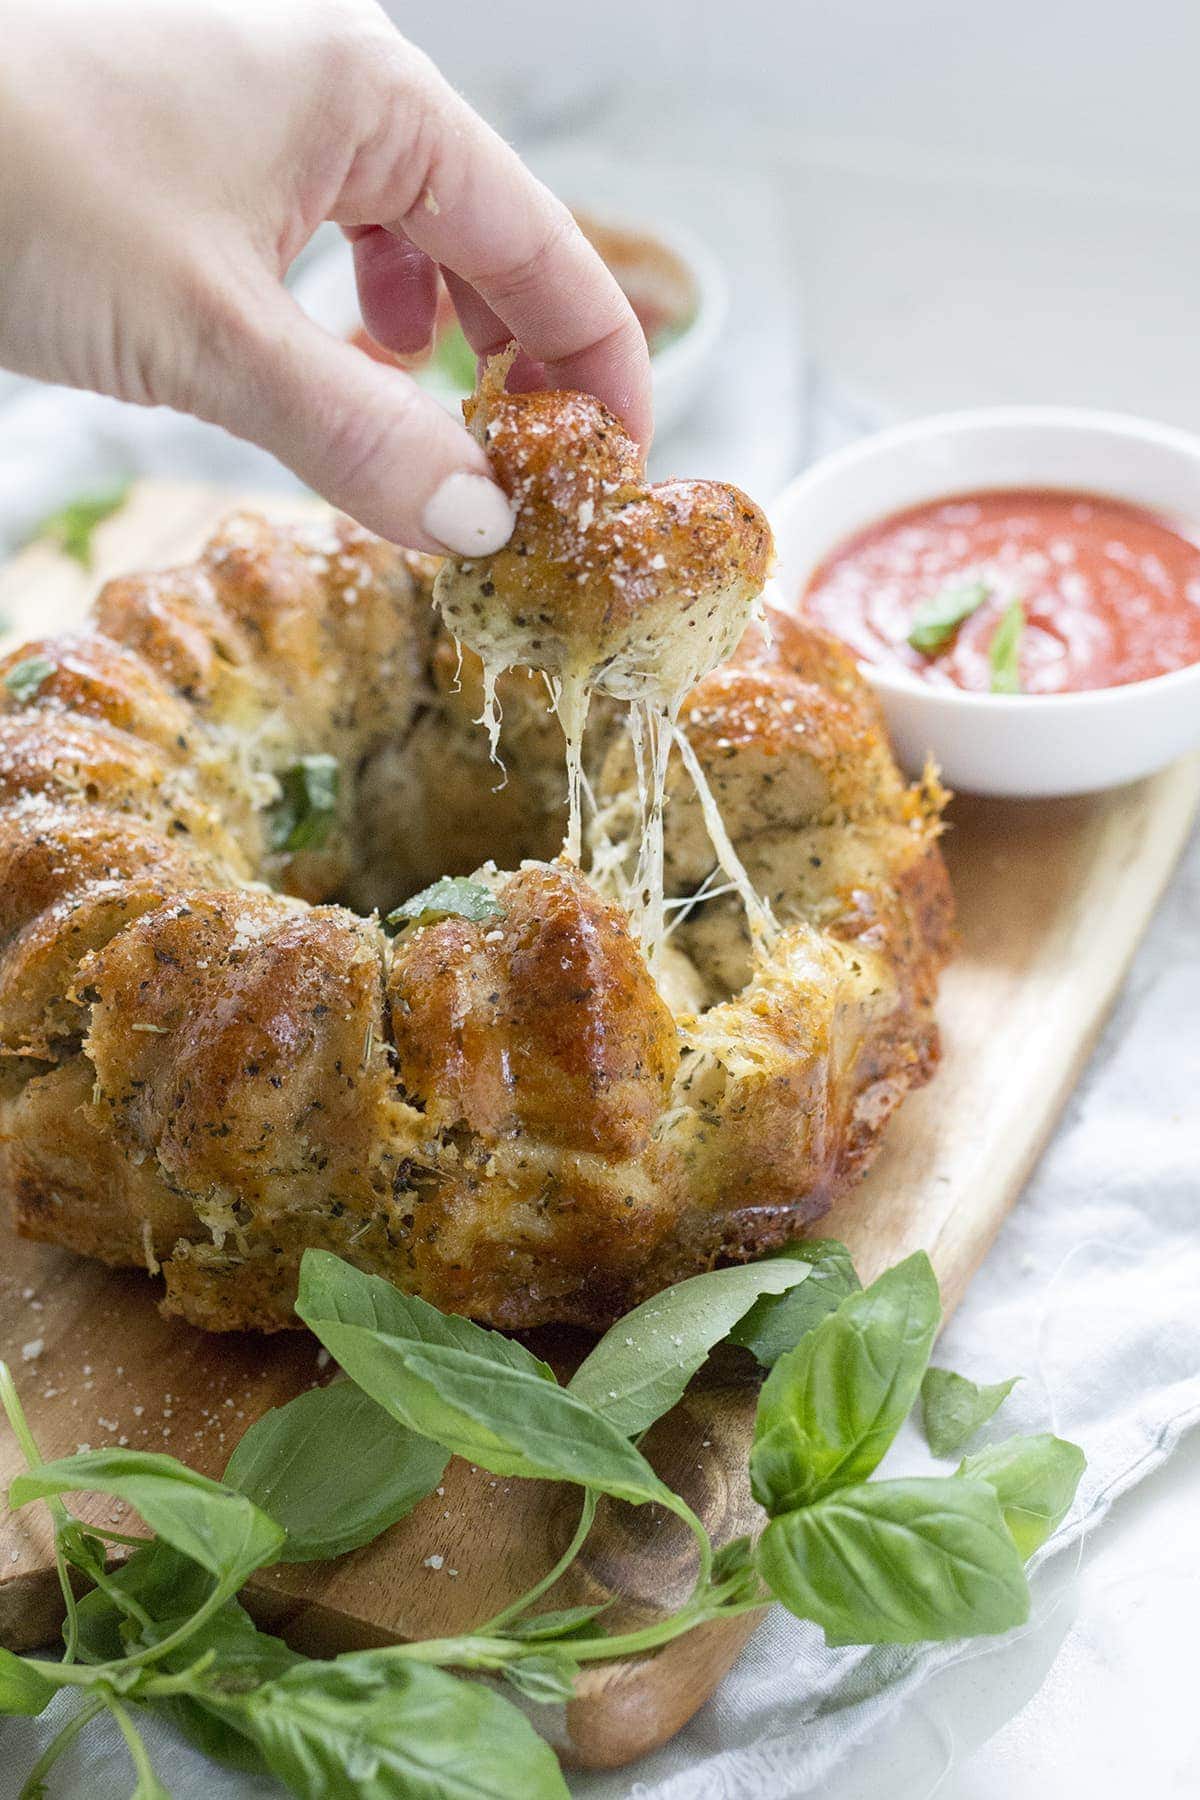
x=361 y=433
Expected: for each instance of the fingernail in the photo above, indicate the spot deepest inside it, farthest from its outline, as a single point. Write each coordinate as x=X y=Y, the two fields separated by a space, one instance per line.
x=469 y=514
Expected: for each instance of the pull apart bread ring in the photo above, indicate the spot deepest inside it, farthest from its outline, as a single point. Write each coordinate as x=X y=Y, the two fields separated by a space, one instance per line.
x=522 y=1097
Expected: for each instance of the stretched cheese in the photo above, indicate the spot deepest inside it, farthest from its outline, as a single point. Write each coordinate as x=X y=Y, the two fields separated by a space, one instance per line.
x=607 y=585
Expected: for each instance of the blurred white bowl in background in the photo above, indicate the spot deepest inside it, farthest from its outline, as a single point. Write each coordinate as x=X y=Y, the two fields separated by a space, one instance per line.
x=1017 y=745
x=325 y=288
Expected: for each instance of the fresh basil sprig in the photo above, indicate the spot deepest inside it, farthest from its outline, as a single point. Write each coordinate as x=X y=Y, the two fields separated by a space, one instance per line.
x=22 y=1690
x=335 y=1292
x=1034 y=1479
x=953 y=1408
x=870 y=1561
x=372 y=1726
x=830 y=1407
x=898 y=1562
x=222 y=1531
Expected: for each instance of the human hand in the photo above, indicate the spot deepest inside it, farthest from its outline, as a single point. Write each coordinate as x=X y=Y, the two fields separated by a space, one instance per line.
x=160 y=168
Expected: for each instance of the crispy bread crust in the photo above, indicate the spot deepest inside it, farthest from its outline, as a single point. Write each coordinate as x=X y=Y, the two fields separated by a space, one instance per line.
x=206 y=1064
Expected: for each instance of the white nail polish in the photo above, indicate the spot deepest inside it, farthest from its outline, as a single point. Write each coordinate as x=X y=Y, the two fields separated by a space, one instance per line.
x=469 y=514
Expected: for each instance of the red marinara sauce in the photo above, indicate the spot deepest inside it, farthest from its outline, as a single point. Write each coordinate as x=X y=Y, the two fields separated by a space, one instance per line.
x=1109 y=592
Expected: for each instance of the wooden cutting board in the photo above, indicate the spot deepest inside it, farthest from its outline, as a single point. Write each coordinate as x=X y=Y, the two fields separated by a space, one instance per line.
x=1053 y=897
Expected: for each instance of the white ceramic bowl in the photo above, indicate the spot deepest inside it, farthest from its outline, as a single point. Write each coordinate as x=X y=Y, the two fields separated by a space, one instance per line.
x=325 y=288
x=1018 y=745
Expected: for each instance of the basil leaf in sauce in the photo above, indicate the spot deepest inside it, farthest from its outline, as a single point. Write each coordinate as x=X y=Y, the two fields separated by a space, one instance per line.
x=936 y=621
x=451 y=897
x=953 y=1409
x=301 y=818
x=1004 y=650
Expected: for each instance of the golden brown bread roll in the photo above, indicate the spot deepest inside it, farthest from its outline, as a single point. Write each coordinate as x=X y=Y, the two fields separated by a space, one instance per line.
x=213 y=1055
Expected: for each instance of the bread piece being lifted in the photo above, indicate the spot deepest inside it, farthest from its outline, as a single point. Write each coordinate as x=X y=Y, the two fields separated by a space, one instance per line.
x=608 y=585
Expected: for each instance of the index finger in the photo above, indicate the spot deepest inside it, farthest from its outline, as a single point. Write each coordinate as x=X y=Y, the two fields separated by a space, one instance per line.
x=464 y=197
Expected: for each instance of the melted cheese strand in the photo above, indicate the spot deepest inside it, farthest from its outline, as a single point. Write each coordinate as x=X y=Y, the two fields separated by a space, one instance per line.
x=571 y=694
x=759 y=917
x=492 y=715
x=652 y=724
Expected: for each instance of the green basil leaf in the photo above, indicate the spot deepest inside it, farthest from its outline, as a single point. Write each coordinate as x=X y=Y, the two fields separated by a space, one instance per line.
x=211 y=1716
x=830 y=1407
x=935 y=622
x=1005 y=649
x=507 y=1420
x=1034 y=1479
x=303 y=816
x=171 y=1589
x=25 y=678
x=454 y=358
x=451 y=897
x=22 y=1689
x=954 y=1408
x=334 y=1470
x=734 y=1568
x=898 y=1562
x=639 y=1369
x=566 y=1622
x=777 y=1322
x=221 y=1531
x=164 y=1583
x=376 y=1727
x=335 y=1291
x=548 y=1677
x=215 y=1730
x=73 y=526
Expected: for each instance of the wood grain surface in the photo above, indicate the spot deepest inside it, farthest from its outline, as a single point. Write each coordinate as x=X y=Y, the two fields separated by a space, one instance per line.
x=1053 y=898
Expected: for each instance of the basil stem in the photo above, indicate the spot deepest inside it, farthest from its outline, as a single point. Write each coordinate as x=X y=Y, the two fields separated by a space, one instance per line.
x=15 y=1412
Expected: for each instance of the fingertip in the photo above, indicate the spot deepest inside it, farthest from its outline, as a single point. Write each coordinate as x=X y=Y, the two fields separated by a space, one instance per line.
x=469 y=514
x=364 y=435
x=397 y=290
